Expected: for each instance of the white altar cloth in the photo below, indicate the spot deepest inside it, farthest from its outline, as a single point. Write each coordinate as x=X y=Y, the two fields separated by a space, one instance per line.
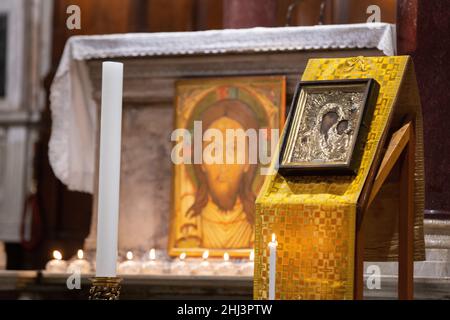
x=72 y=142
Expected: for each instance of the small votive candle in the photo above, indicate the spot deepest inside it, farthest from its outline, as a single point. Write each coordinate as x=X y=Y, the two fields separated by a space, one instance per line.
x=226 y=268
x=80 y=264
x=152 y=266
x=129 y=266
x=180 y=267
x=204 y=268
x=247 y=268
x=57 y=264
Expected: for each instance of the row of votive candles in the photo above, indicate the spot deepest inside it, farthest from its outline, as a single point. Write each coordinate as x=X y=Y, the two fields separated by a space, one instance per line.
x=152 y=265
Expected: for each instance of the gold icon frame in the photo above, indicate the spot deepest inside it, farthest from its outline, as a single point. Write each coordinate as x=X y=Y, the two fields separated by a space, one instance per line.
x=314 y=144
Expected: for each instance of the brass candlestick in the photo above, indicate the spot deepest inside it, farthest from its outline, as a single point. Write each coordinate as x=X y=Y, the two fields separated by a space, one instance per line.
x=105 y=288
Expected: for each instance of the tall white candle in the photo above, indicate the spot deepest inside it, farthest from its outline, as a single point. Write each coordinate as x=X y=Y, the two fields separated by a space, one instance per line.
x=272 y=266
x=109 y=169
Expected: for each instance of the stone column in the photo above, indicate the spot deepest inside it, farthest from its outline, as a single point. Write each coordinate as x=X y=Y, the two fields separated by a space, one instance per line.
x=423 y=33
x=249 y=13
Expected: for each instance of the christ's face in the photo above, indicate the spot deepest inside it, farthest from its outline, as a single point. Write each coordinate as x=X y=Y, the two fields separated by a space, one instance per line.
x=224 y=179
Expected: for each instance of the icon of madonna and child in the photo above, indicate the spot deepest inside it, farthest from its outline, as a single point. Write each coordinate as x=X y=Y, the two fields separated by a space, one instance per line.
x=214 y=201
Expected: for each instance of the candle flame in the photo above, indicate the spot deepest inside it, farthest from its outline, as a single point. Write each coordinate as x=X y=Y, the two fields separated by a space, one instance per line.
x=205 y=254
x=226 y=256
x=274 y=238
x=57 y=255
x=252 y=255
x=183 y=256
x=152 y=254
x=129 y=255
x=80 y=254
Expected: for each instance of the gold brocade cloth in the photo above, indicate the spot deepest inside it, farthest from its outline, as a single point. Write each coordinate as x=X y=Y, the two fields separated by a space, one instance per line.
x=314 y=217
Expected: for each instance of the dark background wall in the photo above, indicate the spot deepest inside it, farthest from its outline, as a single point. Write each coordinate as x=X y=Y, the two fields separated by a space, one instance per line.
x=424 y=34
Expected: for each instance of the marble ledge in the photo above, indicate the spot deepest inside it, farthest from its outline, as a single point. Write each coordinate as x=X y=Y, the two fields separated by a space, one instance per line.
x=16 y=280
x=163 y=279
x=41 y=285
x=437 y=227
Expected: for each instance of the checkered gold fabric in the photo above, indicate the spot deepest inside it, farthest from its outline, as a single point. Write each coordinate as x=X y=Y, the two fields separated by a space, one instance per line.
x=314 y=216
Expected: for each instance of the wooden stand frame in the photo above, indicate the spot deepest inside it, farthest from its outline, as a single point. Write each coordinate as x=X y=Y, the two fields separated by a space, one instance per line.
x=400 y=148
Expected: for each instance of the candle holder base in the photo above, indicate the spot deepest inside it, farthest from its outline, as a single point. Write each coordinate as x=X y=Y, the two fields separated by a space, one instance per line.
x=105 y=288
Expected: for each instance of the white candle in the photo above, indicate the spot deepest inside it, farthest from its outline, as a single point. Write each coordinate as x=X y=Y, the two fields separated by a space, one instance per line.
x=180 y=267
x=152 y=266
x=204 y=268
x=225 y=268
x=204 y=265
x=57 y=264
x=109 y=169
x=130 y=266
x=272 y=266
x=247 y=268
x=152 y=255
x=80 y=264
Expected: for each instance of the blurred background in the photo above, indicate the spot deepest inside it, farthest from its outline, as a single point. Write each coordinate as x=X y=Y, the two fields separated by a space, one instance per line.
x=61 y=218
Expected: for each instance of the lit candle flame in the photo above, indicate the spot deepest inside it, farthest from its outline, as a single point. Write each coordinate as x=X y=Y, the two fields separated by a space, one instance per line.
x=274 y=238
x=226 y=256
x=129 y=255
x=57 y=255
x=152 y=254
x=183 y=256
x=205 y=254
x=252 y=255
x=80 y=254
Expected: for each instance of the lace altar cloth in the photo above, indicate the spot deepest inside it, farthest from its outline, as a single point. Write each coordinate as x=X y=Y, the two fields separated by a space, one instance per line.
x=72 y=142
